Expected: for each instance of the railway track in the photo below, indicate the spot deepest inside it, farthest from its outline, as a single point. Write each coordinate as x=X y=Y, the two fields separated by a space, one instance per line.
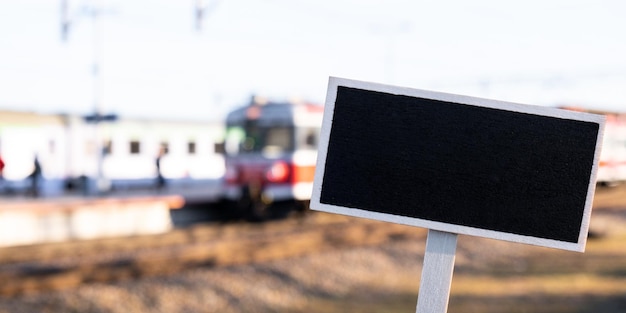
x=40 y=268
x=59 y=266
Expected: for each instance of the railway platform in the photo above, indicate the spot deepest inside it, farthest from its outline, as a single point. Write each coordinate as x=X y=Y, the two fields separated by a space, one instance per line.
x=73 y=216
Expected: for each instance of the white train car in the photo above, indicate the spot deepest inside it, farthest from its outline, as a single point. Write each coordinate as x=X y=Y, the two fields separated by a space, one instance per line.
x=65 y=147
x=612 y=167
x=131 y=147
x=25 y=136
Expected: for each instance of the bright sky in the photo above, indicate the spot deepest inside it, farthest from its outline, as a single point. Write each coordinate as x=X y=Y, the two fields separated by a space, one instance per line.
x=154 y=63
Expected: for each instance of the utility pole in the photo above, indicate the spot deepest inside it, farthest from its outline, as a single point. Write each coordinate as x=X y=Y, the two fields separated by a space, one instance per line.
x=65 y=20
x=94 y=12
x=389 y=32
x=202 y=10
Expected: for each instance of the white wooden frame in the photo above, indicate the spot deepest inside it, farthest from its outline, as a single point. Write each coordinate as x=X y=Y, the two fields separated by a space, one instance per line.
x=451 y=228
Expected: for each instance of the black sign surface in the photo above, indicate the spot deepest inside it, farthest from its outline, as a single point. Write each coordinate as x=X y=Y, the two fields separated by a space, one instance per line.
x=458 y=164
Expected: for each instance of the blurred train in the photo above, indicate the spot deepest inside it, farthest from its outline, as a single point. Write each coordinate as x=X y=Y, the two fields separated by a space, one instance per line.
x=271 y=150
x=270 y=154
x=612 y=167
x=65 y=147
x=613 y=158
x=262 y=156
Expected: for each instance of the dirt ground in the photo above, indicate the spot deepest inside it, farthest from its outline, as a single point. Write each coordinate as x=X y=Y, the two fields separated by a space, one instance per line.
x=490 y=276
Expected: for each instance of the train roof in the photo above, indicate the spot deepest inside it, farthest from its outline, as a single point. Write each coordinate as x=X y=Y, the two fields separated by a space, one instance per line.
x=593 y=111
x=274 y=112
x=27 y=118
x=30 y=118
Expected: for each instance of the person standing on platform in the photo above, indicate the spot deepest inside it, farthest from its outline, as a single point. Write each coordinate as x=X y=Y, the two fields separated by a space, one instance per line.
x=34 y=178
x=160 y=180
x=1 y=173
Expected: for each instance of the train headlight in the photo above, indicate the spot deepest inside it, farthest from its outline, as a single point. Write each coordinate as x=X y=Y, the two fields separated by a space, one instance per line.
x=279 y=172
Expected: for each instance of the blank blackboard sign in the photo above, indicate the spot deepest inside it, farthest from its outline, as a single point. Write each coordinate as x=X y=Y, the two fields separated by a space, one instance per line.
x=458 y=164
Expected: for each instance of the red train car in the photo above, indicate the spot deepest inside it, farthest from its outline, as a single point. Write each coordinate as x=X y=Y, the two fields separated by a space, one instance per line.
x=270 y=154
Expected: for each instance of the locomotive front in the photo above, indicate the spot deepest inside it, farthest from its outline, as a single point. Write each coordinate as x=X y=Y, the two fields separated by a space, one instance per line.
x=270 y=154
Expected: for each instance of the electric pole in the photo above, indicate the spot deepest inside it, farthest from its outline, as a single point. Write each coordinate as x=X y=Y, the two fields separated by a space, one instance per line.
x=202 y=10
x=93 y=11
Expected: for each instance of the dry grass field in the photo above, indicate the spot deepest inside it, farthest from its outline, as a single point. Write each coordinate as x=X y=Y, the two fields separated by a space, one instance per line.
x=372 y=267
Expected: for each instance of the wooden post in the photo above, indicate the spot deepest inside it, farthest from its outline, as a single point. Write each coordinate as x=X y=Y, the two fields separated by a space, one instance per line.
x=437 y=272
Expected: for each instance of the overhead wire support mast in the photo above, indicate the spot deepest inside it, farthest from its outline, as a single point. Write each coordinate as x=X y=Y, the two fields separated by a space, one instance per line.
x=202 y=10
x=94 y=12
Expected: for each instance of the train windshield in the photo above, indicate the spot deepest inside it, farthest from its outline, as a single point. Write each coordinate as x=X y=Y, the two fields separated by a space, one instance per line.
x=254 y=138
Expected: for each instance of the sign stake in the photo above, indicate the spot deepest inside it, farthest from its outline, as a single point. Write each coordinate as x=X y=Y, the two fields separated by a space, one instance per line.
x=434 y=290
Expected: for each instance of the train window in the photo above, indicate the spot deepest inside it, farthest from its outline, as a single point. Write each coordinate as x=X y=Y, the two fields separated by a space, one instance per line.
x=135 y=147
x=219 y=147
x=107 y=147
x=191 y=147
x=234 y=140
x=308 y=138
x=277 y=139
x=165 y=147
x=254 y=138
